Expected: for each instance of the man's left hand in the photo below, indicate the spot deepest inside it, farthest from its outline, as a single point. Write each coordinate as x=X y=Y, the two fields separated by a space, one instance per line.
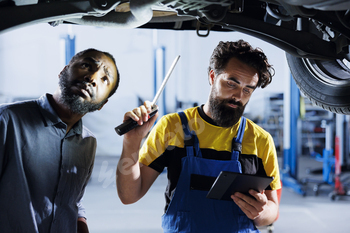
x=252 y=207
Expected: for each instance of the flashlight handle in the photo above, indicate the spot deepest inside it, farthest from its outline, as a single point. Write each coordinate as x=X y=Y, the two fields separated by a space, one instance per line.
x=130 y=124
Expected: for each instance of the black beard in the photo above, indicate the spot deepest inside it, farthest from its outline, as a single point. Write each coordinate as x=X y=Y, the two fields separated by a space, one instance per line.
x=223 y=115
x=75 y=102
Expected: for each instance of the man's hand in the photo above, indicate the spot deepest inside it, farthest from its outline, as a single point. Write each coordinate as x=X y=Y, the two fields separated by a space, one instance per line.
x=133 y=179
x=82 y=226
x=250 y=206
x=140 y=115
x=261 y=207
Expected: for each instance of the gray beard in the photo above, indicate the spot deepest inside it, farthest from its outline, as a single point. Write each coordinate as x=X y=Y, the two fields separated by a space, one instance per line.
x=223 y=115
x=75 y=103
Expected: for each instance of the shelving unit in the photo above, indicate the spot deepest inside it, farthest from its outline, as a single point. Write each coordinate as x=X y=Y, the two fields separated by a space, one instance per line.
x=312 y=129
x=273 y=120
x=316 y=141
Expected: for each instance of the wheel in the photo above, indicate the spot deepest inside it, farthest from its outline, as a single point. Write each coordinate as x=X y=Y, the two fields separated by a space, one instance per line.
x=315 y=189
x=325 y=82
x=333 y=196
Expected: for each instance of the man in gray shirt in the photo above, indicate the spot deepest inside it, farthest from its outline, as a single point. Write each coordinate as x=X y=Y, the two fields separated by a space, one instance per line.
x=47 y=155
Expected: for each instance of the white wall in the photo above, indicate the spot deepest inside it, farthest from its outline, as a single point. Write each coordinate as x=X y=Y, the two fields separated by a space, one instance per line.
x=31 y=59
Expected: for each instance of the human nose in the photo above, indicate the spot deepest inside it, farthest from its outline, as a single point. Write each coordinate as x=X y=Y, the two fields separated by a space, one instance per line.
x=90 y=79
x=237 y=94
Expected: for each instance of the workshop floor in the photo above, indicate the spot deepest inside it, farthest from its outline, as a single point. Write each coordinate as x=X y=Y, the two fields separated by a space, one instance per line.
x=298 y=213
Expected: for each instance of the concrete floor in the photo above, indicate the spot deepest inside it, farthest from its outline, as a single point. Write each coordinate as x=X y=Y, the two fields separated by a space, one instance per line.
x=298 y=214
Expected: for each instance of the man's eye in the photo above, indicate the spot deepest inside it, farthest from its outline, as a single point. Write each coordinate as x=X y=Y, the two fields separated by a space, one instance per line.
x=231 y=84
x=85 y=65
x=105 y=80
x=247 y=91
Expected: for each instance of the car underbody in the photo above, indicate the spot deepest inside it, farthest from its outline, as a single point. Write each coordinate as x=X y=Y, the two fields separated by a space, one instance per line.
x=314 y=33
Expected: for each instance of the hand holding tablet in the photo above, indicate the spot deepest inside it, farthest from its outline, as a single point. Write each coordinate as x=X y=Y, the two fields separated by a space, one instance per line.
x=227 y=183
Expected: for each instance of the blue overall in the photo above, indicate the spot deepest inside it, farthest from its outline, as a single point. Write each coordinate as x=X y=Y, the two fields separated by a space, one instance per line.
x=190 y=210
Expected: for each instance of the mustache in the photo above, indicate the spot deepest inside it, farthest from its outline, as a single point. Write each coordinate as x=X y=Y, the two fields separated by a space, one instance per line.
x=86 y=86
x=238 y=103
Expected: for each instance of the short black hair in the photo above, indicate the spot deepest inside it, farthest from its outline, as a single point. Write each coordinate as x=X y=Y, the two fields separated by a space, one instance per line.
x=76 y=56
x=244 y=52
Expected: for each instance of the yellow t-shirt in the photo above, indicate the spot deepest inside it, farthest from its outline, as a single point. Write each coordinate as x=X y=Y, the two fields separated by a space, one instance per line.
x=164 y=146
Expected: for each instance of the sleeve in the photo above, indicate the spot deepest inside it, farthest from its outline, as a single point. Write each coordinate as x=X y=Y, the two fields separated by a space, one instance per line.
x=270 y=162
x=154 y=145
x=3 y=129
x=81 y=209
x=80 y=205
x=166 y=134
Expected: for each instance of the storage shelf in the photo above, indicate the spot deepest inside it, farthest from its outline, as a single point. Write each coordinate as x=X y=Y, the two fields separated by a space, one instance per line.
x=314 y=119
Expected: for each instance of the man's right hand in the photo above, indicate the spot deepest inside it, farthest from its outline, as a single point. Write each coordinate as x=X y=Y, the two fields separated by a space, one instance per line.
x=133 y=179
x=141 y=116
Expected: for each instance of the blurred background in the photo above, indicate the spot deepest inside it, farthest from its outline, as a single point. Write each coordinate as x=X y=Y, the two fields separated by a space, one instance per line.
x=32 y=57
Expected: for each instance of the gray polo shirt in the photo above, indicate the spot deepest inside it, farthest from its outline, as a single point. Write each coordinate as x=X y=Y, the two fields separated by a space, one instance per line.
x=43 y=170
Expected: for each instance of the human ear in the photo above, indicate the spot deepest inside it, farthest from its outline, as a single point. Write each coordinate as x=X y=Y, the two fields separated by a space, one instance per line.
x=211 y=77
x=66 y=67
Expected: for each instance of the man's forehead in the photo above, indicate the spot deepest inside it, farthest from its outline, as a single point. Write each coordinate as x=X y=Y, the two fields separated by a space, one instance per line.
x=98 y=58
x=95 y=55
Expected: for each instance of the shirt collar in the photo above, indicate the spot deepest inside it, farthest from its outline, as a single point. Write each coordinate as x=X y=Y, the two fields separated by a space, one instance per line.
x=51 y=116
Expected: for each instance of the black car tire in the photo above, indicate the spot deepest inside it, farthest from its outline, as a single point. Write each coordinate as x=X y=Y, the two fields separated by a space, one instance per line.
x=325 y=82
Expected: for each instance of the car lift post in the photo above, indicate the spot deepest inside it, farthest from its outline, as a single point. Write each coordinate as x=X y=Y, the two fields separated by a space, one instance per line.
x=339 y=155
x=68 y=45
x=290 y=157
x=327 y=155
x=159 y=54
x=326 y=158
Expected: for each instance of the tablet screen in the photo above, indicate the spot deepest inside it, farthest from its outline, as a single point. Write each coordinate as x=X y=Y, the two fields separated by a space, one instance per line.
x=227 y=183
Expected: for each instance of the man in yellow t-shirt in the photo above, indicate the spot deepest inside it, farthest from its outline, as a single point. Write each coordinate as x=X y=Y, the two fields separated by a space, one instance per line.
x=203 y=141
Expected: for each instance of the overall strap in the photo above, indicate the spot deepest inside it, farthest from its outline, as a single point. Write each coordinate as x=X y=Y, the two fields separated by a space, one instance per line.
x=241 y=129
x=237 y=141
x=190 y=138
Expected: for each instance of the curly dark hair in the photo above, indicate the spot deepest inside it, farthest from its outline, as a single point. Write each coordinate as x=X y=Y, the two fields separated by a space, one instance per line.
x=79 y=54
x=244 y=52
